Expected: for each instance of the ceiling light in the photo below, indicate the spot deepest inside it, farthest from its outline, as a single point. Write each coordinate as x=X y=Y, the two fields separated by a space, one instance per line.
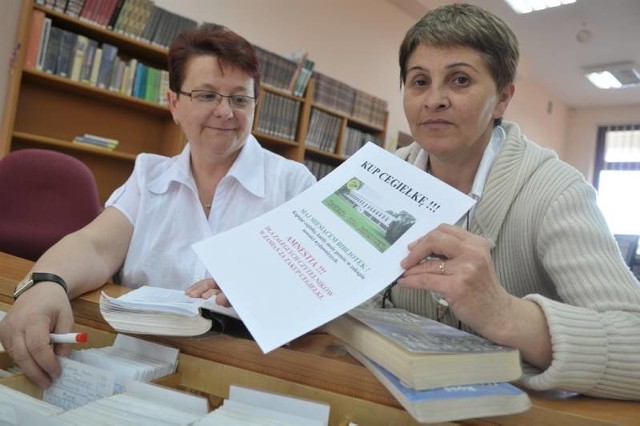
x=526 y=6
x=614 y=76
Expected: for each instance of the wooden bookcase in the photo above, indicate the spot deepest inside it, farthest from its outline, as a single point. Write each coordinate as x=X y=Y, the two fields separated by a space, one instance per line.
x=43 y=110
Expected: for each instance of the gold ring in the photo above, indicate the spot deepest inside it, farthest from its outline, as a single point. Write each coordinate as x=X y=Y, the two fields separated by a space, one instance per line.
x=441 y=268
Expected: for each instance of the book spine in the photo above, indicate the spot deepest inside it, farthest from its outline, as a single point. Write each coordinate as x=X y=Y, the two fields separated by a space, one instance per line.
x=80 y=51
x=53 y=47
x=74 y=8
x=87 y=63
x=109 y=53
x=65 y=54
x=100 y=138
x=43 y=43
x=114 y=16
x=35 y=39
x=95 y=67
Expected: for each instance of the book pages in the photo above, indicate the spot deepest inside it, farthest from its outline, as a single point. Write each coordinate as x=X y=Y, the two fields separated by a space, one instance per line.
x=453 y=402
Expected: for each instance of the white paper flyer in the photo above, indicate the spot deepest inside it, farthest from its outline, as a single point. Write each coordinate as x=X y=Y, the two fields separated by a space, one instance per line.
x=330 y=248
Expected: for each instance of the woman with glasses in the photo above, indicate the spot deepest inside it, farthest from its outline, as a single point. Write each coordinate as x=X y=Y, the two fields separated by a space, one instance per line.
x=221 y=179
x=533 y=266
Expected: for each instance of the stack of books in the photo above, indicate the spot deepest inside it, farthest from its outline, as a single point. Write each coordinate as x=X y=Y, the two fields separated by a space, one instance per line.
x=436 y=372
x=96 y=141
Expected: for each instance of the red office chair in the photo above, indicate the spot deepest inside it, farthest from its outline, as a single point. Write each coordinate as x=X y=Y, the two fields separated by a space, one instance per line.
x=44 y=195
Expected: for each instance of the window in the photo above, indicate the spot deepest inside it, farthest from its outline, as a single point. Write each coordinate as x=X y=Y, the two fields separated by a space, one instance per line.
x=617 y=177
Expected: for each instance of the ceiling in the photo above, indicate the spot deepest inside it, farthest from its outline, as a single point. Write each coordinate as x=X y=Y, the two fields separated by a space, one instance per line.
x=551 y=53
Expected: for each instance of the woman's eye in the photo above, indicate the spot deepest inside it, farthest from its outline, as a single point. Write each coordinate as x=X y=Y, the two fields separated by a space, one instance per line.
x=419 y=82
x=461 y=80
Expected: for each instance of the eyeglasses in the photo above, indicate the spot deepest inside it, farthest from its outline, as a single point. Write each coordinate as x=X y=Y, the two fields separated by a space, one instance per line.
x=214 y=98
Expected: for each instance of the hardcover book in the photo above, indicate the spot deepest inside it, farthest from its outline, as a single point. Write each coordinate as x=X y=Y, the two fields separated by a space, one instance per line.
x=424 y=353
x=66 y=54
x=453 y=402
x=52 y=50
x=36 y=32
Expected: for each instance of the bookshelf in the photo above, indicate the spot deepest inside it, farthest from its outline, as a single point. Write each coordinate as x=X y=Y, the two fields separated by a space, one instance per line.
x=47 y=110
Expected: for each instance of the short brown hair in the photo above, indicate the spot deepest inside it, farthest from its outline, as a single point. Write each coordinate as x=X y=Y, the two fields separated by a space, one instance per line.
x=211 y=40
x=468 y=26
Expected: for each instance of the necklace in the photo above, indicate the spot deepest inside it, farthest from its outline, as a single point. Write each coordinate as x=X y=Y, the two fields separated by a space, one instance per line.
x=207 y=206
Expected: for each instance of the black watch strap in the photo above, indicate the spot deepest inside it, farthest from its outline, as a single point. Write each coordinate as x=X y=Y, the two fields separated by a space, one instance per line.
x=34 y=279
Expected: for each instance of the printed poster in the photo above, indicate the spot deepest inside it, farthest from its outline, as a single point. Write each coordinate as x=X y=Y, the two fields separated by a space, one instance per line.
x=329 y=249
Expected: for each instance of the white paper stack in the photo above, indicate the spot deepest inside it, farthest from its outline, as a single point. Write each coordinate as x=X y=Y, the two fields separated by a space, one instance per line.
x=16 y=407
x=91 y=374
x=254 y=407
x=139 y=404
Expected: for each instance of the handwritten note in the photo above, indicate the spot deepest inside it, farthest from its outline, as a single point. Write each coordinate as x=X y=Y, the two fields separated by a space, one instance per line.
x=79 y=384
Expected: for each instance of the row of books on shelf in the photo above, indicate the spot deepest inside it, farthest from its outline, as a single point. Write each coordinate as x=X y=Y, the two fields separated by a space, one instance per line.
x=143 y=20
x=290 y=74
x=355 y=103
x=278 y=116
x=319 y=168
x=355 y=139
x=79 y=58
x=293 y=74
x=111 y=385
x=324 y=131
x=138 y=19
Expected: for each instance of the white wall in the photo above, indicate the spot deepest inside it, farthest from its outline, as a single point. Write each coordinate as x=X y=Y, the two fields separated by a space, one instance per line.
x=541 y=116
x=9 y=24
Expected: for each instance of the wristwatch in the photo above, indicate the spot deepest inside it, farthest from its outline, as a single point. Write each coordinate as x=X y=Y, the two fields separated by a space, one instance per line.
x=34 y=278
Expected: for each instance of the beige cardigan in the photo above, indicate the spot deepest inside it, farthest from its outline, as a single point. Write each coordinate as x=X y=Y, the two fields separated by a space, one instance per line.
x=551 y=245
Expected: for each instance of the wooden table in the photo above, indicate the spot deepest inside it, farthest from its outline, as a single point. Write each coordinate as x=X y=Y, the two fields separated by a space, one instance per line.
x=314 y=366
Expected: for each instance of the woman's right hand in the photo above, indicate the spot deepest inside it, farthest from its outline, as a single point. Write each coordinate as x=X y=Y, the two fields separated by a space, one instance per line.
x=208 y=288
x=24 y=332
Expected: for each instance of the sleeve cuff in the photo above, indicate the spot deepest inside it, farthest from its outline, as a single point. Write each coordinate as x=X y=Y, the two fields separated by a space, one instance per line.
x=579 y=344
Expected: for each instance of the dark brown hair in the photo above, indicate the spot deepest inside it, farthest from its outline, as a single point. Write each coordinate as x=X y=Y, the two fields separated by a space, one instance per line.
x=229 y=48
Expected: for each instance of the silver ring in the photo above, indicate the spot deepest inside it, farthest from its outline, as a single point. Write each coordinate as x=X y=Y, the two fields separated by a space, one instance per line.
x=441 y=268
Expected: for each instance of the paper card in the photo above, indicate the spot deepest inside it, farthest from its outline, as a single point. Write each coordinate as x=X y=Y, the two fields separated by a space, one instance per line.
x=78 y=384
x=312 y=410
x=192 y=404
x=147 y=349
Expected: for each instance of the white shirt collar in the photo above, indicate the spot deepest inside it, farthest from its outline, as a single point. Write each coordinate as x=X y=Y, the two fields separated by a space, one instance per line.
x=248 y=170
x=489 y=156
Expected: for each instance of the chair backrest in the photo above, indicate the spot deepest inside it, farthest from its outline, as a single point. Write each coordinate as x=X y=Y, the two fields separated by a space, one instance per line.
x=44 y=195
x=628 y=245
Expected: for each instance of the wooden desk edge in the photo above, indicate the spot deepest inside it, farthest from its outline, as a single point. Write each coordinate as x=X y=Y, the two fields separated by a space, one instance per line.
x=316 y=367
